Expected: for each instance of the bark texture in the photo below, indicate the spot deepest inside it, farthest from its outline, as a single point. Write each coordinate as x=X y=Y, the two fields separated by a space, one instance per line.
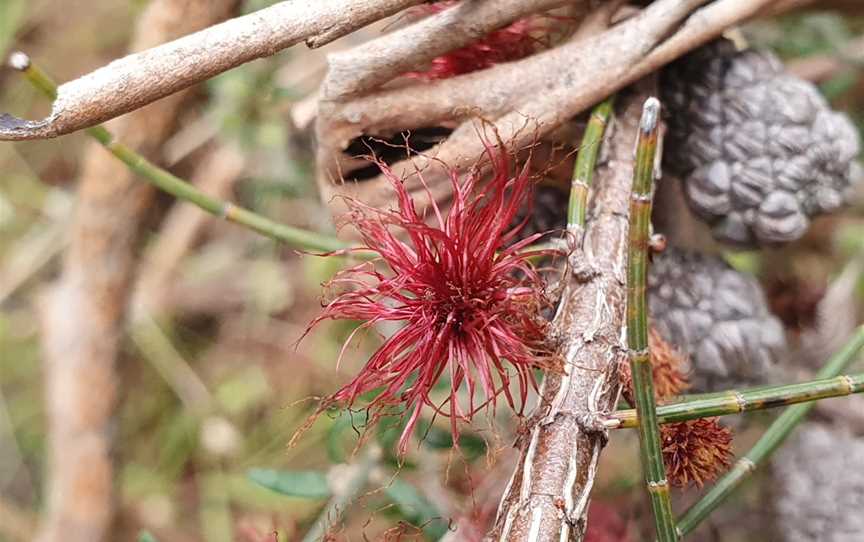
x=547 y=498
x=82 y=314
x=375 y=62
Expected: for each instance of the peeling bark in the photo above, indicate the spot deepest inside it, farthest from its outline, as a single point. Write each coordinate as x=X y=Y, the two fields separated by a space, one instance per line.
x=368 y=66
x=547 y=498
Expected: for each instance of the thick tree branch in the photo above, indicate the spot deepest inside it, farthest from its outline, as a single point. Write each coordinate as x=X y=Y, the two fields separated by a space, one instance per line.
x=547 y=499
x=141 y=78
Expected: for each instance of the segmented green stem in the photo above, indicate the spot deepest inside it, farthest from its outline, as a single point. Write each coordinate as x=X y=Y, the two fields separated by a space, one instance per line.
x=770 y=441
x=179 y=188
x=637 y=323
x=586 y=160
x=735 y=402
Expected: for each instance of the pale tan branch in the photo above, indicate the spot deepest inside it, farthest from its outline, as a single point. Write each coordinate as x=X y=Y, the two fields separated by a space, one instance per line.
x=820 y=68
x=487 y=93
x=366 y=67
x=141 y=78
x=705 y=25
x=492 y=92
x=526 y=99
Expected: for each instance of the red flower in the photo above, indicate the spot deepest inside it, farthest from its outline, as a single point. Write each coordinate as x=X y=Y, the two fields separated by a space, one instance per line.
x=468 y=297
x=512 y=42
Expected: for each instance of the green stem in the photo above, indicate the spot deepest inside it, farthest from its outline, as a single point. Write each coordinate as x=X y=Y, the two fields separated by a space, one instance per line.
x=181 y=189
x=735 y=402
x=770 y=441
x=586 y=159
x=637 y=323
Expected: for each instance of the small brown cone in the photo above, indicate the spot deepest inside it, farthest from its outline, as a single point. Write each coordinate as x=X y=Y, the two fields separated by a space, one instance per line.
x=667 y=366
x=695 y=451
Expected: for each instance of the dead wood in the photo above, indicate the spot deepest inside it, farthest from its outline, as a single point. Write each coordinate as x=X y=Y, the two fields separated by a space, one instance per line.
x=523 y=100
x=376 y=62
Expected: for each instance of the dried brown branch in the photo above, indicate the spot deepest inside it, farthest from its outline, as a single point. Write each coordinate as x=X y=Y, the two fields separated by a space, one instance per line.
x=368 y=66
x=142 y=78
x=547 y=499
x=82 y=314
x=527 y=98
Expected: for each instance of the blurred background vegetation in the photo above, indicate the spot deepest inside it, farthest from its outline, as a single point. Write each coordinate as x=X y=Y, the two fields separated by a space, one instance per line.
x=214 y=385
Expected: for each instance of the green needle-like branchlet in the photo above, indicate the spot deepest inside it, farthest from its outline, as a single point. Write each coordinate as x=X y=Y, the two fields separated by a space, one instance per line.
x=179 y=188
x=770 y=441
x=586 y=160
x=637 y=323
x=736 y=402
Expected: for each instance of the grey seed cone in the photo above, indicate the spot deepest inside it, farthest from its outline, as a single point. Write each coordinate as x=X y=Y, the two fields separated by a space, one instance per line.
x=759 y=150
x=717 y=316
x=820 y=485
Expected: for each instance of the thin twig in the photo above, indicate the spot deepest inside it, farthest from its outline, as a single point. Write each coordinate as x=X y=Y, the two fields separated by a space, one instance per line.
x=653 y=468
x=346 y=483
x=158 y=349
x=736 y=402
x=770 y=441
x=186 y=191
x=216 y=173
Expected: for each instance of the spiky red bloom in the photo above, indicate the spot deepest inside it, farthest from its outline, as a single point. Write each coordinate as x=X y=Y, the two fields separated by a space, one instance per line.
x=696 y=451
x=468 y=297
x=512 y=42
